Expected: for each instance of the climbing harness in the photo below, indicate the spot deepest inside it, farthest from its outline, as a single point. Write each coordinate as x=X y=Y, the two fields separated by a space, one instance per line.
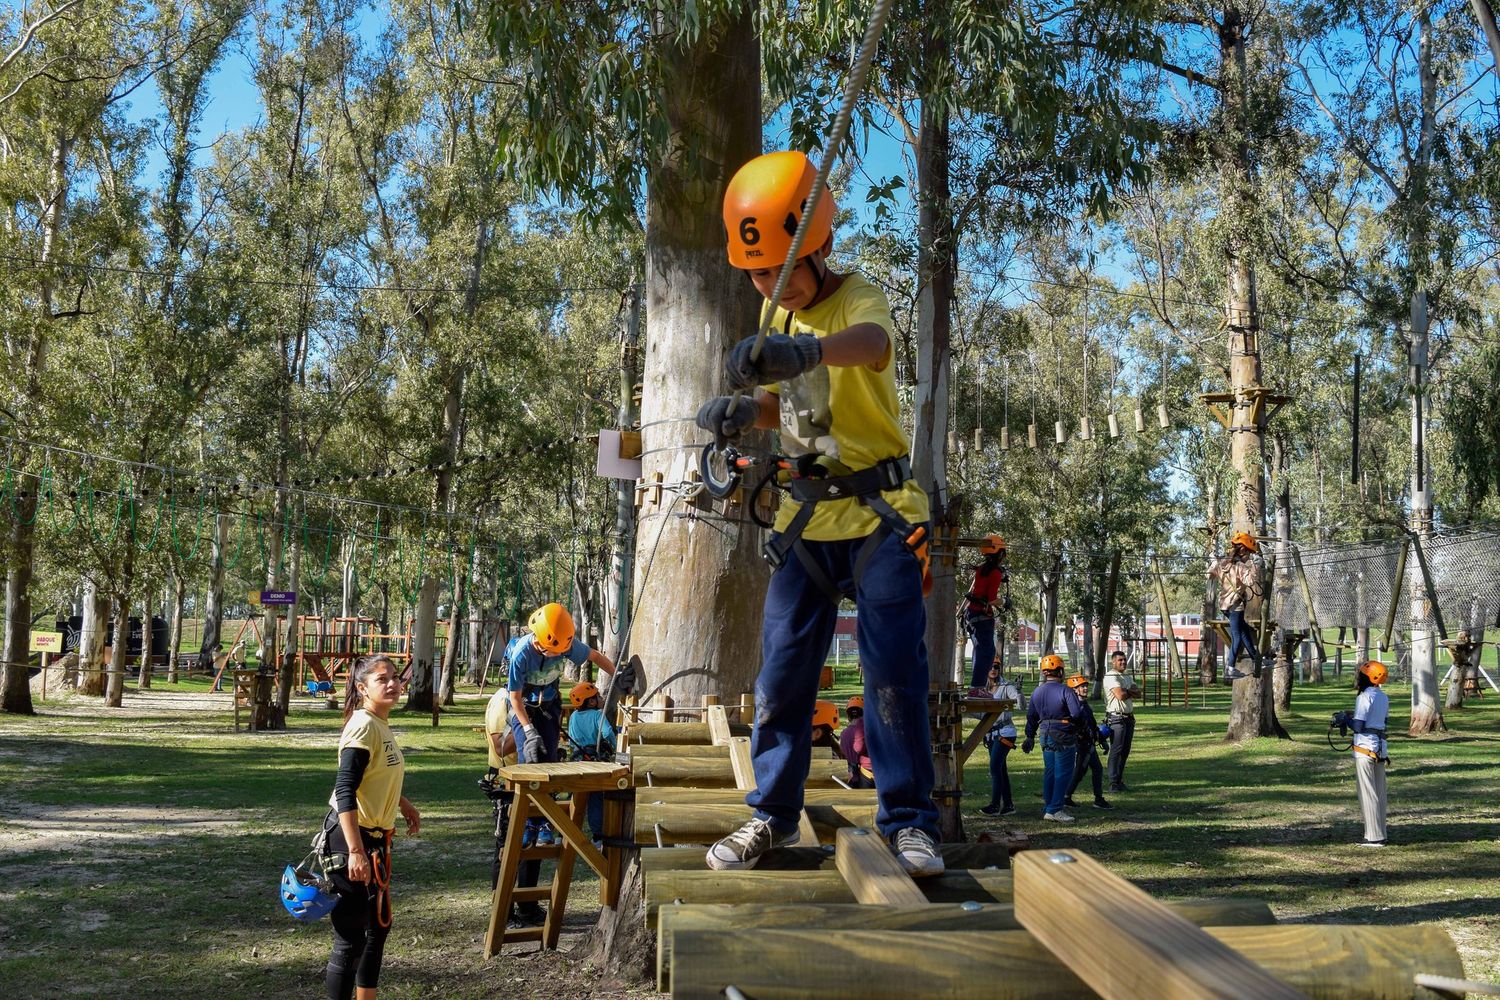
x=380 y=873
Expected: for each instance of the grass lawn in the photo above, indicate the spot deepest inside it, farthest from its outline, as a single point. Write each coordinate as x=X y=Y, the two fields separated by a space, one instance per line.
x=141 y=847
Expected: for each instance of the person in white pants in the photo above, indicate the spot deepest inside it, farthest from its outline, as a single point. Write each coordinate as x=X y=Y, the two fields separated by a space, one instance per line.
x=1371 y=707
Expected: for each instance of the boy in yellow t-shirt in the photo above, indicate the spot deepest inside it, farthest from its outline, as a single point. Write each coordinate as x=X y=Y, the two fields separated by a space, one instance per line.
x=855 y=525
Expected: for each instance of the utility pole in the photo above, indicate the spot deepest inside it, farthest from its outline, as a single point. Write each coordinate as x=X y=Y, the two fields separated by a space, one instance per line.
x=621 y=568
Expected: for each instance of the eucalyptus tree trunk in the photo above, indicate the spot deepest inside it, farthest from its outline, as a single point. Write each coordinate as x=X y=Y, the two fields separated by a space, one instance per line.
x=478 y=618
x=144 y=674
x=455 y=629
x=213 y=605
x=1208 y=639
x=94 y=639
x=1484 y=13
x=114 y=688
x=288 y=654
x=270 y=626
x=176 y=593
x=349 y=577
x=1426 y=712
x=700 y=583
x=617 y=596
x=1286 y=575
x=424 y=637
x=1253 y=712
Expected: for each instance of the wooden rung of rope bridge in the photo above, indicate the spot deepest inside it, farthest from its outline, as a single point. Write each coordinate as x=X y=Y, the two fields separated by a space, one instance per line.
x=842 y=919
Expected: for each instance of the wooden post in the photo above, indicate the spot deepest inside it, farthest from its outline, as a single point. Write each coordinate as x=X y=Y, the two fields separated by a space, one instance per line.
x=1437 y=612
x=1396 y=585
x=1138 y=947
x=718 y=723
x=1168 y=635
x=1307 y=599
x=958 y=857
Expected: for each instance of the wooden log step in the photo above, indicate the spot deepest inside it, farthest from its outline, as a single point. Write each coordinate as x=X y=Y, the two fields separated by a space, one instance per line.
x=1137 y=946
x=955 y=856
x=713 y=772
x=653 y=750
x=932 y=917
x=704 y=824
x=686 y=795
x=677 y=732
x=1321 y=961
x=755 y=886
x=870 y=867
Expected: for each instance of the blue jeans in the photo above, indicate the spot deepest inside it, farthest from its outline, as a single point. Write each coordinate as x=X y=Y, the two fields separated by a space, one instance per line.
x=1057 y=773
x=999 y=776
x=795 y=633
x=1240 y=635
x=982 y=628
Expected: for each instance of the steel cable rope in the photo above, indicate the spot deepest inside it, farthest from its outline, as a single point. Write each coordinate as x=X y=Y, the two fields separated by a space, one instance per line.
x=852 y=89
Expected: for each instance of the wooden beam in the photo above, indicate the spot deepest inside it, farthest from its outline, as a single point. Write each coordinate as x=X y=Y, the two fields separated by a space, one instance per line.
x=756 y=886
x=651 y=751
x=678 y=732
x=1347 y=962
x=706 y=772
x=1137 y=946
x=704 y=824
x=972 y=741
x=1169 y=635
x=740 y=763
x=848 y=798
x=957 y=857
x=872 y=871
x=819 y=917
x=718 y=725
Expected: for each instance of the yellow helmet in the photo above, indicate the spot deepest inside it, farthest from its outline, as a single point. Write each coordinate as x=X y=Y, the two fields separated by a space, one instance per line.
x=763 y=206
x=1245 y=539
x=992 y=544
x=552 y=628
x=1375 y=670
x=1052 y=664
x=825 y=713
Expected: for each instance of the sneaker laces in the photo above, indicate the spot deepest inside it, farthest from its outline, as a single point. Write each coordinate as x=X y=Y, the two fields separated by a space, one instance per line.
x=744 y=841
x=913 y=841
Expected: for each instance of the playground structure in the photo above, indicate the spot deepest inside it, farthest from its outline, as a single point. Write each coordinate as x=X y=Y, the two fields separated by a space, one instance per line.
x=836 y=916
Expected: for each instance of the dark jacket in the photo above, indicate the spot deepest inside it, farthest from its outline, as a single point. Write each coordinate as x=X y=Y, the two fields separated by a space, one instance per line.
x=1087 y=725
x=1053 y=705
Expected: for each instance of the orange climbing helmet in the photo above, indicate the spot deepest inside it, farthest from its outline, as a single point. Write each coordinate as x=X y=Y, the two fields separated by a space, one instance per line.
x=1052 y=664
x=992 y=544
x=581 y=693
x=856 y=704
x=1245 y=539
x=763 y=206
x=1078 y=681
x=1375 y=670
x=825 y=713
x=551 y=628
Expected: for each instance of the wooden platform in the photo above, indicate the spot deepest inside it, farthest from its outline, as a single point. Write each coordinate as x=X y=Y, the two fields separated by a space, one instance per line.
x=843 y=920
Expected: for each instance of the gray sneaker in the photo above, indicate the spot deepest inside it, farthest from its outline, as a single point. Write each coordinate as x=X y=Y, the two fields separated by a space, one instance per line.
x=917 y=852
x=742 y=848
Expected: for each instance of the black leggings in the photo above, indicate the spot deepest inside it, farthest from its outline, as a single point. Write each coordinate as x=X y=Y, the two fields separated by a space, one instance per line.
x=358 y=938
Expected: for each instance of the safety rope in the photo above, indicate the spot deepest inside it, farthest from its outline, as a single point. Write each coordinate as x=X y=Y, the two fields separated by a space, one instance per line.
x=852 y=89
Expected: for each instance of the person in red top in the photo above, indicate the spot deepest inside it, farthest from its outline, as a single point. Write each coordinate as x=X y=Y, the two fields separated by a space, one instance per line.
x=852 y=746
x=979 y=607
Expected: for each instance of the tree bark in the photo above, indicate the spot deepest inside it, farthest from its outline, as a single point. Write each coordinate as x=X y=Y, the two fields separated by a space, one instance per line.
x=213 y=605
x=424 y=639
x=16 y=694
x=455 y=629
x=1484 y=13
x=143 y=681
x=94 y=639
x=287 y=664
x=700 y=582
x=114 y=689
x=174 y=640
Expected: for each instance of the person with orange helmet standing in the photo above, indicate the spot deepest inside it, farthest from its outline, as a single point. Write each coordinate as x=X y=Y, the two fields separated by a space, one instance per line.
x=854 y=748
x=593 y=738
x=1238 y=574
x=855 y=525
x=1371 y=709
x=979 y=607
x=1053 y=712
x=535 y=660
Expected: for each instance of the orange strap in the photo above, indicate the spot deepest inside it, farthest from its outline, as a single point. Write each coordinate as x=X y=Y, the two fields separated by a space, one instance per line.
x=380 y=870
x=1369 y=753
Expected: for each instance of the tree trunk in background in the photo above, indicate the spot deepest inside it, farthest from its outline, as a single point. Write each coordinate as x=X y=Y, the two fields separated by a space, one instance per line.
x=174 y=640
x=93 y=640
x=1047 y=594
x=213 y=605
x=114 y=688
x=1484 y=13
x=15 y=696
x=1286 y=572
x=144 y=674
x=288 y=654
x=478 y=618
x=700 y=584
x=1253 y=712
x=1426 y=714
x=349 y=577
x=424 y=639
x=617 y=598
x=1208 y=638
x=455 y=629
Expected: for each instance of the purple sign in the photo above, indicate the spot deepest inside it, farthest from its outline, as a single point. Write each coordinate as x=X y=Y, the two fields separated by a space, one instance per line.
x=286 y=597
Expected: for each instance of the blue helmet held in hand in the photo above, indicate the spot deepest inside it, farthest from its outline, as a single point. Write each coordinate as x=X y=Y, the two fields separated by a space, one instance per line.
x=306 y=896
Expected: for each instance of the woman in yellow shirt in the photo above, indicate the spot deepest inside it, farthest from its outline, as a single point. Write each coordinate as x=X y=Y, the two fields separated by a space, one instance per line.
x=366 y=797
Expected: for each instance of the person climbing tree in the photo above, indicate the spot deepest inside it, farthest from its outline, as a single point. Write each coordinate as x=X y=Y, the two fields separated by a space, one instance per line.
x=1238 y=574
x=855 y=526
x=361 y=825
x=979 y=607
